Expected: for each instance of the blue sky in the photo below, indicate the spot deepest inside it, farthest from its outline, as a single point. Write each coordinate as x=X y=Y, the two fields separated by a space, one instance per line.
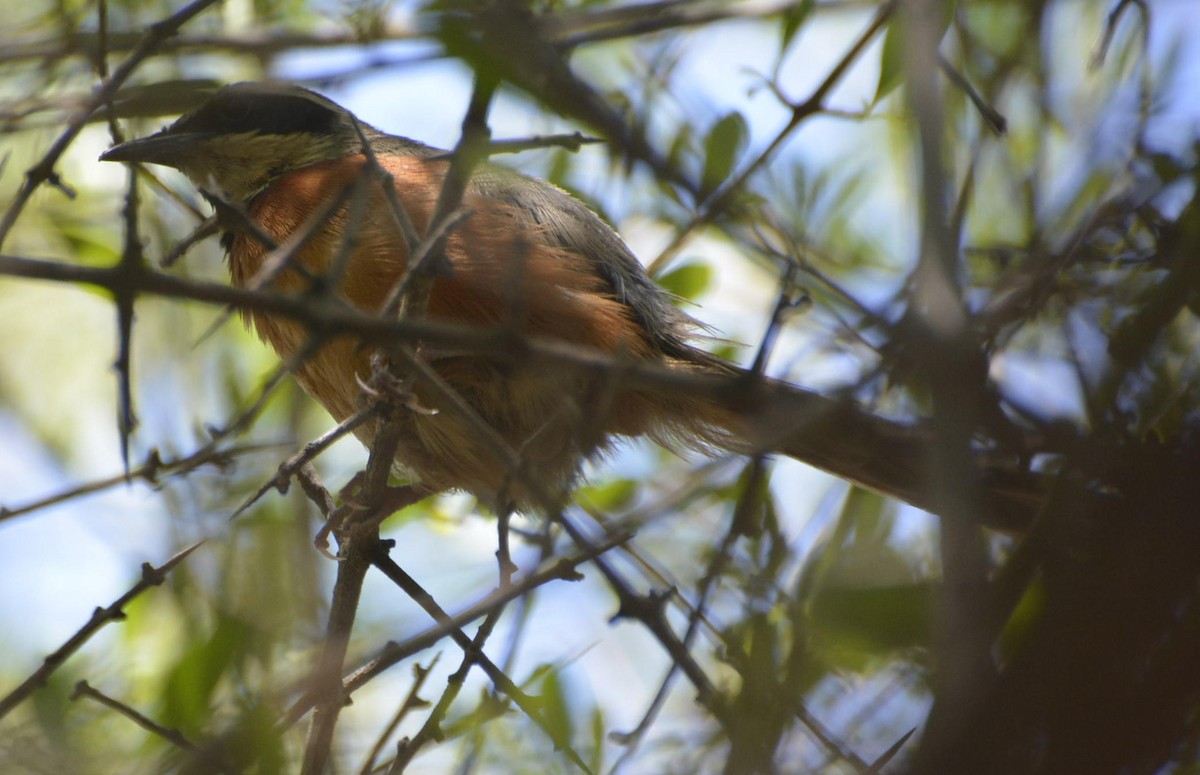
x=56 y=566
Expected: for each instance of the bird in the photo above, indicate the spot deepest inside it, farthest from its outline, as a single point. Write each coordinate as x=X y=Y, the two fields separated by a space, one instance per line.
x=528 y=258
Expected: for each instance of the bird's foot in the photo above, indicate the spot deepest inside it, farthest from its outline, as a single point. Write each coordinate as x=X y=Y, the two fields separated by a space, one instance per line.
x=357 y=514
x=386 y=385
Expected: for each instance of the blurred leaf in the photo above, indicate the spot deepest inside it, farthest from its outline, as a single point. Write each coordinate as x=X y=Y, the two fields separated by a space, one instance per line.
x=1000 y=27
x=729 y=352
x=874 y=621
x=560 y=167
x=90 y=243
x=722 y=146
x=793 y=19
x=162 y=98
x=759 y=712
x=599 y=739
x=891 y=60
x=190 y=685
x=864 y=515
x=680 y=145
x=556 y=712
x=687 y=281
x=1026 y=614
x=613 y=495
x=52 y=705
x=257 y=731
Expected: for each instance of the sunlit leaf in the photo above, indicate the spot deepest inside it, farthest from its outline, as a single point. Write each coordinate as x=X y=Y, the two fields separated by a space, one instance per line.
x=1027 y=613
x=689 y=280
x=613 y=495
x=556 y=711
x=793 y=19
x=722 y=147
x=891 y=61
x=599 y=738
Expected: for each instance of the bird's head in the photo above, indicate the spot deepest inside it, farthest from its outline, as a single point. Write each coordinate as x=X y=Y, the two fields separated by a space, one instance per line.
x=247 y=135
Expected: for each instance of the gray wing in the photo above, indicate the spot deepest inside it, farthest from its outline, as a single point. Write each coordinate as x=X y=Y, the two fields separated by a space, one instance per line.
x=569 y=223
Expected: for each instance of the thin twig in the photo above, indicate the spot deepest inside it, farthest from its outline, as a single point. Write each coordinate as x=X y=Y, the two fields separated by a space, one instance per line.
x=207 y=228
x=355 y=551
x=326 y=678
x=43 y=171
x=85 y=690
x=1110 y=28
x=150 y=471
x=381 y=560
x=565 y=569
x=992 y=117
x=411 y=700
x=720 y=201
x=132 y=259
x=290 y=467
x=253 y=43
x=410 y=296
x=572 y=141
x=114 y=612
x=881 y=454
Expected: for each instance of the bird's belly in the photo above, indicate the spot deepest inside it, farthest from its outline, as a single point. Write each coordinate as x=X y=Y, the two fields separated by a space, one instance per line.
x=549 y=419
x=506 y=273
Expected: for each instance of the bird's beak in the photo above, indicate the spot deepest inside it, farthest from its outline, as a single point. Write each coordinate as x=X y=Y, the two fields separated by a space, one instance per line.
x=162 y=148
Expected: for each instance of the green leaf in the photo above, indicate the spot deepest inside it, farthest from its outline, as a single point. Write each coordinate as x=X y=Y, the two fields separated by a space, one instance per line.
x=599 y=738
x=194 y=678
x=793 y=19
x=51 y=706
x=865 y=514
x=687 y=281
x=729 y=352
x=891 y=61
x=1029 y=610
x=681 y=145
x=874 y=621
x=90 y=243
x=556 y=711
x=722 y=147
x=615 y=495
x=560 y=167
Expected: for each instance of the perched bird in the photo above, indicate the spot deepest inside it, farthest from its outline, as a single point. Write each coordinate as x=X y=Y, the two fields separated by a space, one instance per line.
x=529 y=257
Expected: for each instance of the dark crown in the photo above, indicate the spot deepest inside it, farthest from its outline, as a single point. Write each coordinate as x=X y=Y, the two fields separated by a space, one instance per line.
x=276 y=109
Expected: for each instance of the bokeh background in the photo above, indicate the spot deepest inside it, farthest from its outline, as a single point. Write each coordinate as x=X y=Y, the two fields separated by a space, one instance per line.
x=838 y=587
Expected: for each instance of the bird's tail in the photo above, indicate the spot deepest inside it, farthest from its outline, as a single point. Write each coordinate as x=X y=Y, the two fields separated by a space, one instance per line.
x=736 y=410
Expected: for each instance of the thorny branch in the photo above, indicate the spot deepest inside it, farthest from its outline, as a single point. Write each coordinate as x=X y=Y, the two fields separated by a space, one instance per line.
x=853 y=443
x=43 y=171
x=113 y=612
x=85 y=690
x=903 y=444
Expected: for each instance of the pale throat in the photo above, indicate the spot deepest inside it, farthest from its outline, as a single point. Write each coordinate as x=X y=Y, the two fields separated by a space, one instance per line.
x=238 y=167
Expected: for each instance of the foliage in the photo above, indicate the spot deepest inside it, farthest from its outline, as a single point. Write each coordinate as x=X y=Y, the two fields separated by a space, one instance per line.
x=971 y=224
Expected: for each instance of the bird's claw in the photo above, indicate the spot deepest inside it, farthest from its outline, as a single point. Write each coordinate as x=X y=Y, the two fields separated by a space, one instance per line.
x=384 y=385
